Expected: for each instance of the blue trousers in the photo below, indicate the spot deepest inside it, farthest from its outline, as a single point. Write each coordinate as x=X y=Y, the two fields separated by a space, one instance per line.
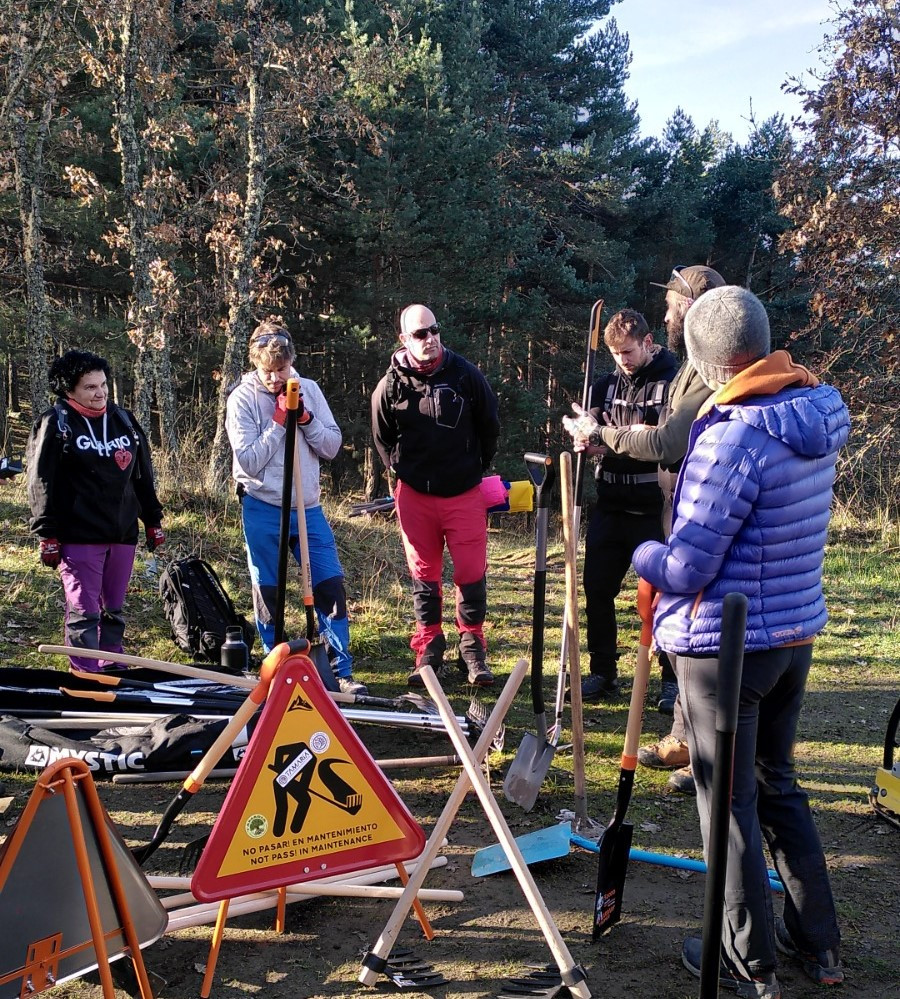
x=262 y=528
x=766 y=801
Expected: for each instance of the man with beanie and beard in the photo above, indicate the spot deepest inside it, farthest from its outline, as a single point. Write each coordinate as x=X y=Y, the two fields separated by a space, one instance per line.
x=751 y=511
x=435 y=425
x=629 y=502
x=666 y=444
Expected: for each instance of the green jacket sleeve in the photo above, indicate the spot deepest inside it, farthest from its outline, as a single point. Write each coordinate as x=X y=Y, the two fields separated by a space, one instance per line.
x=666 y=443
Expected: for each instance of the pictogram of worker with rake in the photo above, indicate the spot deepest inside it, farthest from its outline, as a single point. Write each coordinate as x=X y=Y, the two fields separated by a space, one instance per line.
x=295 y=765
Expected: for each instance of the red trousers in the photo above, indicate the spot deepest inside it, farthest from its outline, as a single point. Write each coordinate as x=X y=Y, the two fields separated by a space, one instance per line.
x=427 y=523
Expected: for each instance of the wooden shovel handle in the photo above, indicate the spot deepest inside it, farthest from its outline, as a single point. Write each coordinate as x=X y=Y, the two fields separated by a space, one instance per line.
x=293 y=400
x=573 y=636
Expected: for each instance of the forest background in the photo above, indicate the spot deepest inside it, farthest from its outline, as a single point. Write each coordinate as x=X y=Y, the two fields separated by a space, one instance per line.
x=174 y=172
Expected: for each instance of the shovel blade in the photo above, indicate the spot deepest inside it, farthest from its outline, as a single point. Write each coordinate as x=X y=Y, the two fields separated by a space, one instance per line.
x=527 y=771
x=612 y=866
x=543 y=844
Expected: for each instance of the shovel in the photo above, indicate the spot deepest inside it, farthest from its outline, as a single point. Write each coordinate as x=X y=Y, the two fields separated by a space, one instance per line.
x=593 y=339
x=532 y=761
x=612 y=864
x=317 y=651
x=556 y=842
x=583 y=823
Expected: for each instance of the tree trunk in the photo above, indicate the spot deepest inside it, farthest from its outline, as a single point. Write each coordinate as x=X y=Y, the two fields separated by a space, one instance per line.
x=145 y=315
x=29 y=169
x=239 y=292
x=4 y=405
x=165 y=392
x=373 y=481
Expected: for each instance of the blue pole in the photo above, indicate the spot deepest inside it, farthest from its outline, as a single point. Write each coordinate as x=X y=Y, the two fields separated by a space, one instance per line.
x=666 y=860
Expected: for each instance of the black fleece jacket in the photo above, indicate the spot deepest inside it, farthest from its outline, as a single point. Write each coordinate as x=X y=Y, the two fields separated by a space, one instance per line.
x=437 y=432
x=91 y=487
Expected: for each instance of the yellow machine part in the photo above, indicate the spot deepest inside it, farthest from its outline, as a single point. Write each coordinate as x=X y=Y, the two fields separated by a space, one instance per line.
x=885 y=795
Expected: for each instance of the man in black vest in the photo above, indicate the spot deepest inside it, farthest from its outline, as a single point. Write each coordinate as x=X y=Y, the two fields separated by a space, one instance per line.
x=629 y=501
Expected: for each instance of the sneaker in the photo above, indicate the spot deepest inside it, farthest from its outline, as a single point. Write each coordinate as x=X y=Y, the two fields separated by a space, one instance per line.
x=667 y=754
x=667 y=696
x=479 y=675
x=682 y=780
x=599 y=688
x=763 y=987
x=347 y=685
x=823 y=967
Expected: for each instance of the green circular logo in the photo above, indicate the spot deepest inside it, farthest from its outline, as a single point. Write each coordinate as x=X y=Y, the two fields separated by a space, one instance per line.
x=256 y=826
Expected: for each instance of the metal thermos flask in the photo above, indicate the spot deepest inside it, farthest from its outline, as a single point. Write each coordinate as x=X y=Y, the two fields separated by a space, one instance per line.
x=235 y=656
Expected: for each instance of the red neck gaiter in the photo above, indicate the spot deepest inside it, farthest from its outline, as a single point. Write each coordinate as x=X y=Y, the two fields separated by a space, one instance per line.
x=426 y=367
x=84 y=410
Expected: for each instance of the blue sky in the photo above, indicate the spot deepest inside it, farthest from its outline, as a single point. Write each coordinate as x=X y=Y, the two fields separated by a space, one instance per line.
x=713 y=57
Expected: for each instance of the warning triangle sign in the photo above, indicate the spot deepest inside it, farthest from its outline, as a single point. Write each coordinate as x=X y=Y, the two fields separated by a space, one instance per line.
x=47 y=934
x=308 y=801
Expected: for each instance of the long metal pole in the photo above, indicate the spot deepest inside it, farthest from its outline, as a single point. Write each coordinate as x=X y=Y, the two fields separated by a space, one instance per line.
x=728 y=694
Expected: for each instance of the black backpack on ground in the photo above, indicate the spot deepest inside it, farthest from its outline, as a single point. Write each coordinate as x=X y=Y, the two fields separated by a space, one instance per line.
x=199 y=610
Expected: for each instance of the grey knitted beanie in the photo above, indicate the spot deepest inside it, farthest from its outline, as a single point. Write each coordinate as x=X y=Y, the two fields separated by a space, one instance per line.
x=725 y=331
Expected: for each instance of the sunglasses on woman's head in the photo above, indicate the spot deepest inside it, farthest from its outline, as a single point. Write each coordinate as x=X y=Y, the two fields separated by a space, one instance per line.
x=267 y=338
x=427 y=332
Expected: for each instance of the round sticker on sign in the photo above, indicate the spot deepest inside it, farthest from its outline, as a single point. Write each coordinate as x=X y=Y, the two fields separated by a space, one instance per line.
x=256 y=826
x=319 y=742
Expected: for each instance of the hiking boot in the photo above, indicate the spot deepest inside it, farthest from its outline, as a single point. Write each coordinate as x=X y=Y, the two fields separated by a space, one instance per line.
x=667 y=754
x=761 y=987
x=479 y=675
x=599 y=688
x=682 y=780
x=431 y=655
x=823 y=967
x=347 y=685
x=441 y=671
x=667 y=696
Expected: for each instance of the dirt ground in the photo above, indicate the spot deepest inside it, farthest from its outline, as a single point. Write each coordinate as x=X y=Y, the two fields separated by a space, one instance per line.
x=492 y=934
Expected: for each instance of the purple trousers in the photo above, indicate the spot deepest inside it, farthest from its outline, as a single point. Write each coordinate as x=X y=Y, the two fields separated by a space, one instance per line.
x=95 y=579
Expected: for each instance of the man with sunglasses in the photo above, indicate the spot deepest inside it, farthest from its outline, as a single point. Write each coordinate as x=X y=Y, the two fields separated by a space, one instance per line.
x=255 y=419
x=435 y=424
x=666 y=444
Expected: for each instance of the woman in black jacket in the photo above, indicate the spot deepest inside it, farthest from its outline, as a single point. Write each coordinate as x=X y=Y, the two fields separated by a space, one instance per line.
x=90 y=478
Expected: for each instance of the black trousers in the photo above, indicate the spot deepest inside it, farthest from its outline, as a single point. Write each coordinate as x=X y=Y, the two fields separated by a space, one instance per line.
x=767 y=802
x=612 y=537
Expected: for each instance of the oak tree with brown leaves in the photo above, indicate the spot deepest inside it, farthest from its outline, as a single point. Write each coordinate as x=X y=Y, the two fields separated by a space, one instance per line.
x=841 y=192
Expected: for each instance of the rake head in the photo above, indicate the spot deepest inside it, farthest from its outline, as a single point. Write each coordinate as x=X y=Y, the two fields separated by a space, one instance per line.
x=542 y=981
x=190 y=855
x=477 y=716
x=406 y=971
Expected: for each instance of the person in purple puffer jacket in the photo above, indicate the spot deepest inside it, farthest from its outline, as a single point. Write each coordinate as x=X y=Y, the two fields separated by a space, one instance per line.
x=752 y=507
